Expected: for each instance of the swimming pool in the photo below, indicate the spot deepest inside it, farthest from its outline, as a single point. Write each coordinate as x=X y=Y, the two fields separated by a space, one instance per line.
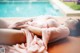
x=28 y=9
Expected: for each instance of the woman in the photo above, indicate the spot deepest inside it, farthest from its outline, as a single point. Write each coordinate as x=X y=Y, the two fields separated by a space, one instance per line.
x=49 y=28
x=9 y=36
x=36 y=27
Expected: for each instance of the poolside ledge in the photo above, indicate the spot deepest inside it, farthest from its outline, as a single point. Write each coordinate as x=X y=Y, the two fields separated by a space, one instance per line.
x=67 y=11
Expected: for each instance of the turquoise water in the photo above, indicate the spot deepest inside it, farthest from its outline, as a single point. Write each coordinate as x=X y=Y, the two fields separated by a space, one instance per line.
x=28 y=10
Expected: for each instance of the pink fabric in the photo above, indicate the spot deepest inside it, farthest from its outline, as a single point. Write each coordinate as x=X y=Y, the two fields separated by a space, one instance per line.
x=33 y=45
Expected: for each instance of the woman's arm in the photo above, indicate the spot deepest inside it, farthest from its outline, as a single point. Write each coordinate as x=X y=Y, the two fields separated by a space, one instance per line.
x=19 y=23
x=35 y=30
x=55 y=32
x=58 y=33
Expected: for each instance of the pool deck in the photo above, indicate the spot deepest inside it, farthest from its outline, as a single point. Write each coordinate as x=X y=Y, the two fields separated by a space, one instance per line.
x=67 y=45
x=67 y=11
x=60 y=18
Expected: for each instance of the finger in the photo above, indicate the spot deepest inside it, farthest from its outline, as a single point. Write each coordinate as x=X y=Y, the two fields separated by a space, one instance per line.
x=17 y=48
x=22 y=46
x=22 y=26
x=15 y=25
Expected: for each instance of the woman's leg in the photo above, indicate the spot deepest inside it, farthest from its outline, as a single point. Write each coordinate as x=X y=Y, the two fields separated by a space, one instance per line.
x=3 y=24
x=10 y=36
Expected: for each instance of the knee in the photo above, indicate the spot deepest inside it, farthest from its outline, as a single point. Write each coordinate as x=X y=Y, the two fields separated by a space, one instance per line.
x=3 y=24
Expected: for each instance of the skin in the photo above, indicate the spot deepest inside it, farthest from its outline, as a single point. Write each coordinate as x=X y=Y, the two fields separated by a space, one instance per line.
x=34 y=44
x=40 y=23
x=48 y=34
x=3 y=24
x=48 y=28
x=11 y=37
x=71 y=23
x=36 y=30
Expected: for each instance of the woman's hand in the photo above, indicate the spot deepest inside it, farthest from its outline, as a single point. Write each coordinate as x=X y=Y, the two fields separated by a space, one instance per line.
x=19 y=23
x=15 y=25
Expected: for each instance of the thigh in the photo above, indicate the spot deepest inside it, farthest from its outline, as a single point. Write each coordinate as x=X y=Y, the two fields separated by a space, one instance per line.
x=3 y=24
x=10 y=36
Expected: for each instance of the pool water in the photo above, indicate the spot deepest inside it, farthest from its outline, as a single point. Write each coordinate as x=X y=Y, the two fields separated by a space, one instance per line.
x=28 y=9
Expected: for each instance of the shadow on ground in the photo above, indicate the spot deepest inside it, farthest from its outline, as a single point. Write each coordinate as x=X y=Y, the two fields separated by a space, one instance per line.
x=76 y=32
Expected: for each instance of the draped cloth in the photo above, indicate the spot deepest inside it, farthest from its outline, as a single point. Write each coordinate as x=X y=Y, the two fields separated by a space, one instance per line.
x=33 y=45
